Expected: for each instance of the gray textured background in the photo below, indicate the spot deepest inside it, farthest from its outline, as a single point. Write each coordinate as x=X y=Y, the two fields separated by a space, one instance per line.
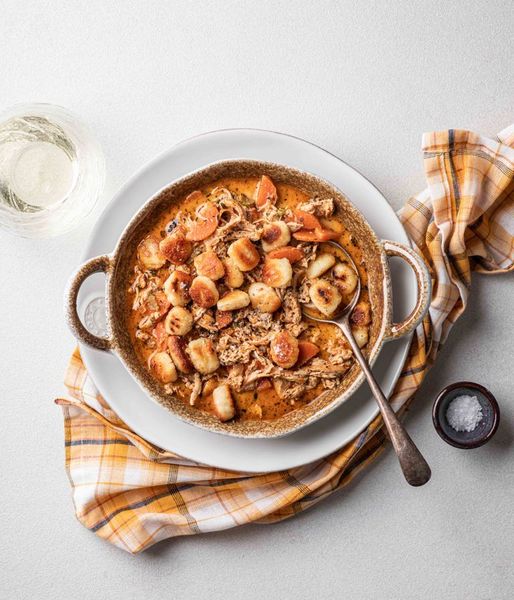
x=362 y=79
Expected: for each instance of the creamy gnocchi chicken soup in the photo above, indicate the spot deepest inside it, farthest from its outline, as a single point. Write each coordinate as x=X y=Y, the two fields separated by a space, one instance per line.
x=217 y=292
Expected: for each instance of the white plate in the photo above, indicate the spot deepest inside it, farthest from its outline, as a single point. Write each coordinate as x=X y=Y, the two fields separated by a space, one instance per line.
x=155 y=423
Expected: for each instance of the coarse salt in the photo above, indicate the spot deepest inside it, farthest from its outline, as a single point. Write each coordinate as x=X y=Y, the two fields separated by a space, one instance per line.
x=464 y=413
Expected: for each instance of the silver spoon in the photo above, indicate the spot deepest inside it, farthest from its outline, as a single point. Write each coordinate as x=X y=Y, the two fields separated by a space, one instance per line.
x=414 y=466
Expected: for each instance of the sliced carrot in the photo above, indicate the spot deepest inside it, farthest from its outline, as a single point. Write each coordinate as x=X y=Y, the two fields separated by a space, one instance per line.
x=306 y=220
x=206 y=223
x=306 y=351
x=290 y=252
x=266 y=192
x=316 y=235
x=207 y=211
x=160 y=335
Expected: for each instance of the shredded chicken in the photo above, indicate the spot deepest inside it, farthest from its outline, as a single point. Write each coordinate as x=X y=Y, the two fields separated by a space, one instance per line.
x=207 y=321
x=146 y=338
x=294 y=226
x=140 y=280
x=261 y=367
x=197 y=312
x=146 y=286
x=292 y=314
x=291 y=390
x=173 y=388
x=197 y=389
x=259 y=320
x=330 y=384
x=338 y=351
x=234 y=224
x=288 y=390
x=320 y=207
x=235 y=376
x=237 y=344
x=149 y=320
x=322 y=369
x=303 y=292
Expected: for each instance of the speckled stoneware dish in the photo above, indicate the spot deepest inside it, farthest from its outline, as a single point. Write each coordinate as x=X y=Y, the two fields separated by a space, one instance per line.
x=485 y=429
x=117 y=270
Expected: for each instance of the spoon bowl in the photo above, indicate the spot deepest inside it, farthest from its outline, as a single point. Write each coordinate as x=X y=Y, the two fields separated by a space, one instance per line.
x=345 y=310
x=414 y=466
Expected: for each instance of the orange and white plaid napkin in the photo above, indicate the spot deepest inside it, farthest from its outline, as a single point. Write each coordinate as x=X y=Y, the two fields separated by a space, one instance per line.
x=134 y=494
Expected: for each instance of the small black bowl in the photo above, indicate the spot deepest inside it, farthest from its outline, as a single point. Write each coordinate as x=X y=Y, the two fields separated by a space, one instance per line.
x=483 y=432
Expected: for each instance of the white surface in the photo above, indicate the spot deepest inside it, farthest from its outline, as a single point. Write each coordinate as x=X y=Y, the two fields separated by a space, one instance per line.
x=363 y=80
x=158 y=425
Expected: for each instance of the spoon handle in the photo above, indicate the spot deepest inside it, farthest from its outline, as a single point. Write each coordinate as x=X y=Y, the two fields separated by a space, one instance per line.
x=415 y=468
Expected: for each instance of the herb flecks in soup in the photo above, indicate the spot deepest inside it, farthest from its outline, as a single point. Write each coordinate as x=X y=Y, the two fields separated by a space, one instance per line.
x=216 y=295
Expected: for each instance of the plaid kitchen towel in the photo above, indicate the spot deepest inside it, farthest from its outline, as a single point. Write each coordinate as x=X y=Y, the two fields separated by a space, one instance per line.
x=134 y=494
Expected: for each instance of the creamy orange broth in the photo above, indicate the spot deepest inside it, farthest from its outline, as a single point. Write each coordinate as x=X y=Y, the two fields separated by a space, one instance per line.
x=272 y=405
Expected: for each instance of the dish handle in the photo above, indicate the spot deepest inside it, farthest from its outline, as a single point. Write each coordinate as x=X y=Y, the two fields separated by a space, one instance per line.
x=424 y=289
x=99 y=264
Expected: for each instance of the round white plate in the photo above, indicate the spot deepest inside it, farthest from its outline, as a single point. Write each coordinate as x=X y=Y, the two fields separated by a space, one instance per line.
x=155 y=423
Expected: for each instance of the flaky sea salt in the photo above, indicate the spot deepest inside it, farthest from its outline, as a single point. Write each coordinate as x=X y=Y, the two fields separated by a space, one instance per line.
x=464 y=413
